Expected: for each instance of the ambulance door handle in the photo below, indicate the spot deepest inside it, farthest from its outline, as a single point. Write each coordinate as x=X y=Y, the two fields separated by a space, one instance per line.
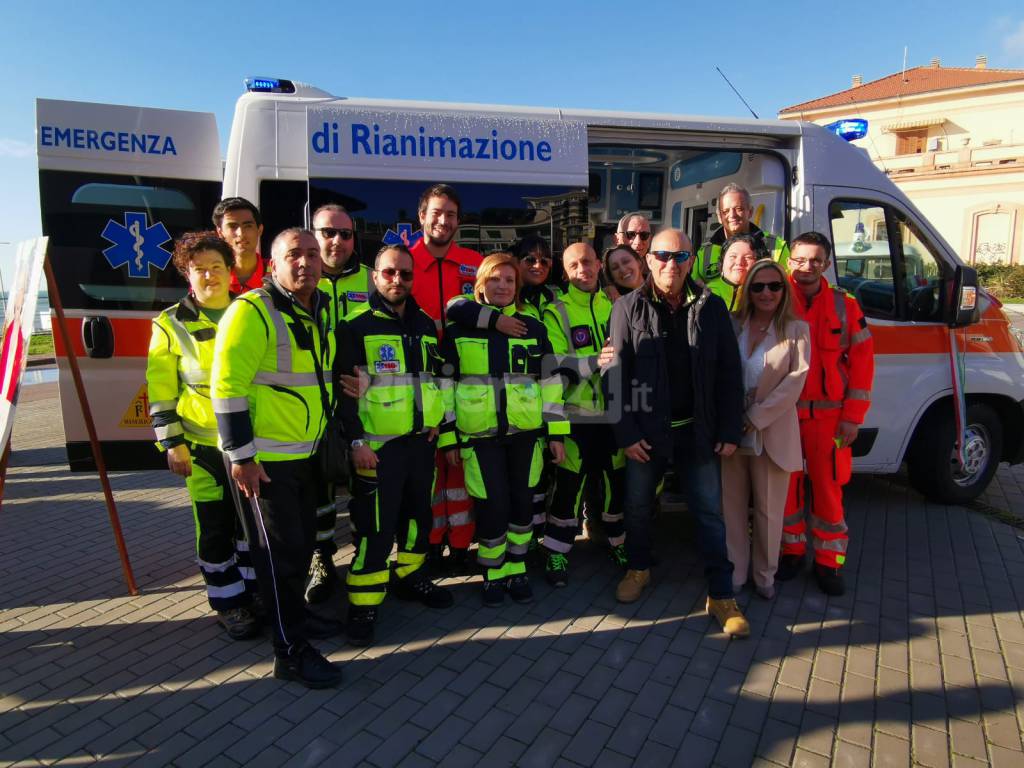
x=98 y=337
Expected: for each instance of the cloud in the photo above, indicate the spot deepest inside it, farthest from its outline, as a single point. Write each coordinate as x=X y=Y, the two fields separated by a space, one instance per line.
x=16 y=148
x=1013 y=41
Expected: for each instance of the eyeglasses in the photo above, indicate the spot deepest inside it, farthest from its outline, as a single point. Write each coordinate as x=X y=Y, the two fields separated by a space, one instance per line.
x=532 y=261
x=330 y=233
x=644 y=236
x=800 y=261
x=388 y=273
x=775 y=286
x=678 y=257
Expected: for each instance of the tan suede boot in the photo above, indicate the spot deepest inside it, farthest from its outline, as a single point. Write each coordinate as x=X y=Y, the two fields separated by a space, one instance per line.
x=632 y=585
x=729 y=616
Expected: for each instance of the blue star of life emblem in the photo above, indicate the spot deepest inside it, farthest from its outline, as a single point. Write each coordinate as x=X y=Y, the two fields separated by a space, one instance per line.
x=136 y=244
x=403 y=235
x=387 y=353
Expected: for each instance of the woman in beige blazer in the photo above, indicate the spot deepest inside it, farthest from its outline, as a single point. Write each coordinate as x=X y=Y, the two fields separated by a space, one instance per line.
x=775 y=351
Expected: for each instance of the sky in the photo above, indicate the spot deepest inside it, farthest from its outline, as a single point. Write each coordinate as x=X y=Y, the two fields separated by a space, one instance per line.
x=650 y=57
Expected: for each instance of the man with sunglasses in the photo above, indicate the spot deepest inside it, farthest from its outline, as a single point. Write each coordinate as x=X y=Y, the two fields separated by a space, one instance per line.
x=634 y=230
x=346 y=282
x=674 y=344
x=393 y=429
x=735 y=211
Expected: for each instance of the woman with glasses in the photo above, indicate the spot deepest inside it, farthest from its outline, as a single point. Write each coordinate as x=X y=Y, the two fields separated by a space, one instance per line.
x=775 y=354
x=499 y=411
x=622 y=270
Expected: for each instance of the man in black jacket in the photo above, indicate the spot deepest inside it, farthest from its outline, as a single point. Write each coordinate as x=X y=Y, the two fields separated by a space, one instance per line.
x=680 y=390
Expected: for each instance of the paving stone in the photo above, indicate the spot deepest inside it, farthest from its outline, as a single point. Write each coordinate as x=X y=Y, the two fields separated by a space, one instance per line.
x=612 y=707
x=545 y=749
x=931 y=747
x=848 y=755
x=737 y=748
x=778 y=741
x=460 y=757
x=696 y=752
x=967 y=739
x=588 y=742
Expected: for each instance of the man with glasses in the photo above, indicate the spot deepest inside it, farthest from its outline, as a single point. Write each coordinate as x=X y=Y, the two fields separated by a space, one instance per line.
x=239 y=224
x=674 y=343
x=735 y=211
x=634 y=230
x=444 y=270
x=347 y=284
x=832 y=406
x=393 y=429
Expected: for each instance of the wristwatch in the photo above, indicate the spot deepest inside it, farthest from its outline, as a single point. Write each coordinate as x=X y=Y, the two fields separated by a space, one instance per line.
x=357 y=443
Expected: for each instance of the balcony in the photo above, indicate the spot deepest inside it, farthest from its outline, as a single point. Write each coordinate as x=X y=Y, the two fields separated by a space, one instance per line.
x=968 y=159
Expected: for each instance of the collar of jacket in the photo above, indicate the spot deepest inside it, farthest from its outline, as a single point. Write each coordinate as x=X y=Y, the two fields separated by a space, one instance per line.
x=804 y=300
x=381 y=307
x=350 y=268
x=188 y=310
x=575 y=296
x=717 y=236
x=284 y=299
x=533 y=294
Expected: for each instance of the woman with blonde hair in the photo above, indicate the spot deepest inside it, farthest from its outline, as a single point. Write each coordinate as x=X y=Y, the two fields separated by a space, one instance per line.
x=775 y=353
x=498 y=414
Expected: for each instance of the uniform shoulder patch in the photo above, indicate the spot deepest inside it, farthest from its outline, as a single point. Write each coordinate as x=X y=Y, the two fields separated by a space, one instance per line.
x=581 y=336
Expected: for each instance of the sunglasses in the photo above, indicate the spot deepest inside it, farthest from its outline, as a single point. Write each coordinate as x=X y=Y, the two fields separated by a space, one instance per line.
x=775 y=286
x=679 y=257
x=644 y=236
x=389 y=274
x=330 y=233
x=532 y=261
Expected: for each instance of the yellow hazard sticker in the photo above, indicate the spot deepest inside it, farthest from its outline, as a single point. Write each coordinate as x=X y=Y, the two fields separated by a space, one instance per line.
x=137 y=414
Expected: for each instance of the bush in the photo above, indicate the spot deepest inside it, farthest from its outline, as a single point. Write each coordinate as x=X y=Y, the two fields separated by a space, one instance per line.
x=1004 y=281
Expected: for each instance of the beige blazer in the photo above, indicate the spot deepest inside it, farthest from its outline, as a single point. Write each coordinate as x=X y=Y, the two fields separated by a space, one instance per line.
x=773 y=411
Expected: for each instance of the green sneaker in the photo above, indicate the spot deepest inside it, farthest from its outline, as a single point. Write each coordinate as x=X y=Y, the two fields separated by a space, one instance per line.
x=556 y=571
x=618 y=555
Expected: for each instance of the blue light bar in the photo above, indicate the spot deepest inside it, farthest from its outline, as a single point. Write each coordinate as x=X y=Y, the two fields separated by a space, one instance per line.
x=850 y=130
x=268 y=85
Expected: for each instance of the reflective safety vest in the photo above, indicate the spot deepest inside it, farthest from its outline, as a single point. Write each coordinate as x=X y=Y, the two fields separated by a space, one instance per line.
x=178 y=376
x=401 y=357
x=842 y=355
x=265 y=387
x=347 y=291
x=500 y=383
x=577 y=326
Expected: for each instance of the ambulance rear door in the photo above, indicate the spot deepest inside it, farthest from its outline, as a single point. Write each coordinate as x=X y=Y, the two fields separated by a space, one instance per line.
x=117 y=184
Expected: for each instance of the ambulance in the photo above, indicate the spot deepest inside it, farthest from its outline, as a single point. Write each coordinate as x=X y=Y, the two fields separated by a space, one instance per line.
x=118 y=183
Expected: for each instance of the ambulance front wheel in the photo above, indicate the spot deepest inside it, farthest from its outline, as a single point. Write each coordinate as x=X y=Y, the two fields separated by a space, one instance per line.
x=935 y=470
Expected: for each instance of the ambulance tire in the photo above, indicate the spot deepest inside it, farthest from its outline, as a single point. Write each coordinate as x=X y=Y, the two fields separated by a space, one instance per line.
x=936 y=474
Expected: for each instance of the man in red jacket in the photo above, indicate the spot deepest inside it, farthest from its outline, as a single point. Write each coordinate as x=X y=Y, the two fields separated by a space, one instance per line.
x=832 y=406
x=442 y=270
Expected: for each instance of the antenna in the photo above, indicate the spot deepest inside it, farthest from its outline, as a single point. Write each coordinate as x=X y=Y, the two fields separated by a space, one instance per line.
x=737 y=93
x=903 y=75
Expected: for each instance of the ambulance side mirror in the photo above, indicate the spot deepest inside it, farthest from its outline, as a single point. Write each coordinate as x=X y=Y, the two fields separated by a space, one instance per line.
x=964 y=297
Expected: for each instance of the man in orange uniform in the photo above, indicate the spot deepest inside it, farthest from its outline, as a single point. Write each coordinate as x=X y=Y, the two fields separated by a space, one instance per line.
x=442 y=270
x=832 y=406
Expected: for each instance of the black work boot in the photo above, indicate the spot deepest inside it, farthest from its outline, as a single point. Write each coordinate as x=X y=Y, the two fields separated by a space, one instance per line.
x=362 y=620
x=493 y=594
x=306 y=666
x=830 y=580
x=417 y=587
x=458 y=562
x=519 y=588
x=239 y=623
x=789 y=567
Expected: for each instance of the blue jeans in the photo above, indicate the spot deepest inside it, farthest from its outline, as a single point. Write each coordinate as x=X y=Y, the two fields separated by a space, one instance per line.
x=701 y=484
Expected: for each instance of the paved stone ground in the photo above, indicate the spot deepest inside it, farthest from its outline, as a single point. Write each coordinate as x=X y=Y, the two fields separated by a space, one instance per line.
x=922 y=662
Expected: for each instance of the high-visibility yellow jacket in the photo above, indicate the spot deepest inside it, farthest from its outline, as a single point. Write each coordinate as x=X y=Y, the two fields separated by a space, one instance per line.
x=708 y=265
x=502 y=385
x=347 y=291
x=178 y=376
x=577 y=324
x=400 y=356
x=265 y=388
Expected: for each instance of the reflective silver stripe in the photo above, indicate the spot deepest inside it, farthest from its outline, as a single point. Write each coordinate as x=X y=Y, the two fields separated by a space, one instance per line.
x=831 y=545
x=793 y=538
x=608 y=517
x=326 y=509
x=793 y=519
x=215 y=567
x=398 y=379
x=159 y=406
x=379 y=438
x=844 y=331
x=199 y=431
x=557 y=546
x=563 y=312
x=248 y=573
x=286 y=379
x=246 y=451
x=819 y=405
x=282 y=337
x=539 y=518
x=539 y=497
x=861 y=335
x=559 y=522
x=491 y=543
x=587 y=366
x=169 y=430
x=614 y=541
x=264 y=445
x=858 y=394
x=229 y=591
x=241 y=545
x=195 y=377
x=518 y=549
x=483 y=320
x=460 y=518
x=230 y=404
x=325 y=535
x=439 y=522
x=817 y=524
x=456 y=494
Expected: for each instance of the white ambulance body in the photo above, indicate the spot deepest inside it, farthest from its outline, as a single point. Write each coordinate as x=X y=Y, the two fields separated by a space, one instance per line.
x=110 y=175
